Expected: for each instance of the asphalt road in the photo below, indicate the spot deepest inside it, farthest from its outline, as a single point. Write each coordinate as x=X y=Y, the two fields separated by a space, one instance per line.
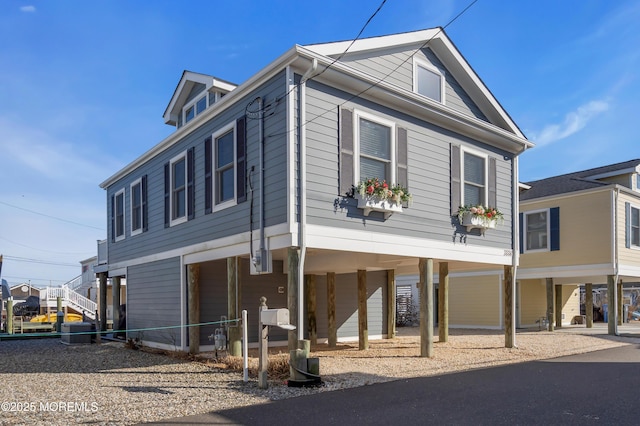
x=595 y=388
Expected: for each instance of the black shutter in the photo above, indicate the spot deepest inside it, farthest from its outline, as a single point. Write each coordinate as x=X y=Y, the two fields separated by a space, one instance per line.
x=208 y=175
x=521 y=232
x=402 y=158
x=191 y=194
x=627 y=225
x=456 y=186
x=167 y=192
x=493 y=197
x=113 y=219
x=241 y=160
x=145 y=207
x=346 y=151
x=554 y=228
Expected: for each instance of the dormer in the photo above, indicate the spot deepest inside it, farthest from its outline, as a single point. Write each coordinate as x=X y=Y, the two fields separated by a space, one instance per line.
x=628 y=176
x=193 y=95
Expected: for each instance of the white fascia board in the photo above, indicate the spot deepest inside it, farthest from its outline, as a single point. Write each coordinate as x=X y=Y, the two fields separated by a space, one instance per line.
x=565 y=195
x=330 y=238
x=187 y=76
x=620 y=172
x=565 y=271
x=226 y=102
x=446 y=51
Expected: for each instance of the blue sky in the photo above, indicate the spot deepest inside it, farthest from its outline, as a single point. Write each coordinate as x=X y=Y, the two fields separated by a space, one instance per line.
x=84 y=84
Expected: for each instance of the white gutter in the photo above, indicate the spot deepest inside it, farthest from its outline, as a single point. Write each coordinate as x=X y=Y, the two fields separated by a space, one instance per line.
x=616 y=269
x=303 y=196
x=515 y=255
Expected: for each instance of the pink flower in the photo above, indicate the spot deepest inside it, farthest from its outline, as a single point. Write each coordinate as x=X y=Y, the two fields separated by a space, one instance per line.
x=370 y=189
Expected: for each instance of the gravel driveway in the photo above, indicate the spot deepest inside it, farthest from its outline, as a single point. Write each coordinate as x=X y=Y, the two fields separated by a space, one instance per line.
x=44 y=381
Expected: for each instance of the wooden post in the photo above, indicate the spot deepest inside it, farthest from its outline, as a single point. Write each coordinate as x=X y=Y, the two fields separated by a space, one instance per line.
x=611 y=305
x=391 y=304
x=235 y=342
x=426 y=307
x=331 y=309
x=193 y=288
x=115 y=290
x=620 y=304
x=550 y=304
x=588 y=304
x=363 y=327
x=102 y=277
x=263 y=347
x=293 y=259
x=443 y=302
x=9 y=316
x=310 y=287
x=559 y=306
x=509 y=323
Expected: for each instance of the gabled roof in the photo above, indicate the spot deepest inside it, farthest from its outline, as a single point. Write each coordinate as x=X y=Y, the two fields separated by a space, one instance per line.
x=437 y=40
x=186 y=83
x=578 y=181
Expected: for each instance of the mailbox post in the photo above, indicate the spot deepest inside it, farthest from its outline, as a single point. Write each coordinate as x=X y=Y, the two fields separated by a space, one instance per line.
x=268 y=317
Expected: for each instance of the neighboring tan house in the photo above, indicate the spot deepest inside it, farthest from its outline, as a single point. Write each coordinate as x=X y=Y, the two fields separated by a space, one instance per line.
x=578 y=229
x=253 y=194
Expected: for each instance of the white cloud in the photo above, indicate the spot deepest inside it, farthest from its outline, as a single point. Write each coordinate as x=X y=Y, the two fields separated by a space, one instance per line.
x=573 y=122
x=28 y=9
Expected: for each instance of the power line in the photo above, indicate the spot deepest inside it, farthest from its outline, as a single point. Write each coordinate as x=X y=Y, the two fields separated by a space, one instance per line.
x=383 y=78
x=51 y=217
x=40 y=261
x=39 y=249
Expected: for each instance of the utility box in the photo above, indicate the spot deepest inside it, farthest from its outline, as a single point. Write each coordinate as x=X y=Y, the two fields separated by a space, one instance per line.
x=278 y=317
x=82 y=328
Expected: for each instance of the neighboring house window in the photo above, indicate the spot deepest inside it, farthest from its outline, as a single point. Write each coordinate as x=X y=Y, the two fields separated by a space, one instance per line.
x=632 y=214
x=428 y=81
x=375 y=148
x=540 y=230
x=118 y=208
x=179 y=191
x=224 y=152
x=138 y=192
x=474 y=178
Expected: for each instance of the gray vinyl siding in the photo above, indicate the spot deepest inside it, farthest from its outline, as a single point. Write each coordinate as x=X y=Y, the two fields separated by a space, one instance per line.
x=429 y=176
x=153 y=300
x=214 y=304
x=223 y=223
x=395 y=66
x=195 y=91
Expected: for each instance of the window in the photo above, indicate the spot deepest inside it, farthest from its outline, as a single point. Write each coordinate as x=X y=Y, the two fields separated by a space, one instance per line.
x=118 y=207
x=193 y=108
x=474 y=178
x=536 y=231
x=374 y=143
x=224 y=161
x=138 y=206
x=178 y=192
x=428 y=81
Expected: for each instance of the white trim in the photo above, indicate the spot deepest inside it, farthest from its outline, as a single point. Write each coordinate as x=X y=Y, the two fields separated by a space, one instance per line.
x=629 y=229
x=614 y=173
x=181 y=219
x=464 y=150
x=291 y=140
x=193 y=103
x=629 y=270
x=421 y=63
x=524 y=231
x=357 y=115
x=339 y=239
x=131 y=215
x=233 y=200
x=565 y=271
x=115 y=215
x=184 y=320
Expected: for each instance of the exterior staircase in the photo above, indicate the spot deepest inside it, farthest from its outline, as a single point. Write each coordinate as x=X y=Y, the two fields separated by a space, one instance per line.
x=70 y=299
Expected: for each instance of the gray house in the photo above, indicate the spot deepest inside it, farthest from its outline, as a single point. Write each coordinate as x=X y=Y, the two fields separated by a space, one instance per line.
x=269 y=189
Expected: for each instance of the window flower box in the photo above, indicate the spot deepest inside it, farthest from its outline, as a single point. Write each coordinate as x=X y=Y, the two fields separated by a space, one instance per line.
x=374 y=204
x=479 y=217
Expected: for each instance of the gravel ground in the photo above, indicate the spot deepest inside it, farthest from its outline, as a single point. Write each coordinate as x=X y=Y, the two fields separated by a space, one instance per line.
x=46 y=382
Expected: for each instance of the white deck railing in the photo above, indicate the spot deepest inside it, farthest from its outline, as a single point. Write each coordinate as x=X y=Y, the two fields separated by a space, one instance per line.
x=72 y=299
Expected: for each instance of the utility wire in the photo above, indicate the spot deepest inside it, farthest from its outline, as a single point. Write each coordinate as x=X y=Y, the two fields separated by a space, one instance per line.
x=44 y=250
x=40 y=261
x=383 y=78
x=51 y=217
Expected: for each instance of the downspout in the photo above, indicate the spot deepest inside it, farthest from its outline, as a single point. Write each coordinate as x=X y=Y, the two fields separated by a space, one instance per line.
x=261 y=178
x=302 y=241
x=616 y=270
x=515 y=230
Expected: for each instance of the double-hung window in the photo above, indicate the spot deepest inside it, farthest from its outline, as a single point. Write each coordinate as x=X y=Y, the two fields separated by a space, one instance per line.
x=428 y=80
x=178 y=194
x=536 y=230
x=118 y=208
x=374 y=144
x=224 y=160
x=474 y=178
